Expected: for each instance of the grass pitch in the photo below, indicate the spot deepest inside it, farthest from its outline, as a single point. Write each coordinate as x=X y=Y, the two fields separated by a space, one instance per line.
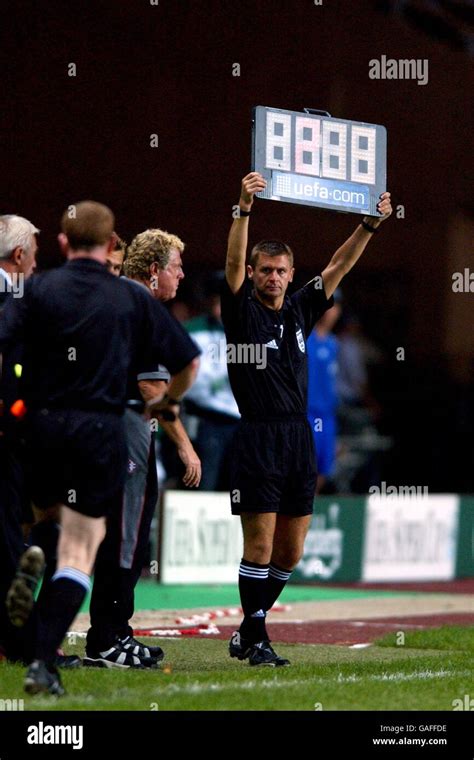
x=428 y=671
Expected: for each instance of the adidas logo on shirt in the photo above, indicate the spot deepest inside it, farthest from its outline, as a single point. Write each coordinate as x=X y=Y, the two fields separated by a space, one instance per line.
x=272 y=344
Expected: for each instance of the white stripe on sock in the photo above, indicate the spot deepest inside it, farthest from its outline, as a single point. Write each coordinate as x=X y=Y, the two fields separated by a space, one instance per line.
x=248 y=574
x=254 y=570
x=281 y=575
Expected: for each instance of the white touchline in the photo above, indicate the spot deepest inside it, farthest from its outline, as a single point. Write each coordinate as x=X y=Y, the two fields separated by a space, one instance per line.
x=360 y=646
x=422 y=675
x=199 y=688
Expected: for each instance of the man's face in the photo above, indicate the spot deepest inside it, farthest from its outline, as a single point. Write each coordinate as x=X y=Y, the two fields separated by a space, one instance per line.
x=271 y=276
x=169 y=278
x=27 y=262
x=114 y=262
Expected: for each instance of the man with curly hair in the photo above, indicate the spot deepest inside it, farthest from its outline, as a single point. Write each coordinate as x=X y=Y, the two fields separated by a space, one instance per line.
x=114 y=330
x=153 y=261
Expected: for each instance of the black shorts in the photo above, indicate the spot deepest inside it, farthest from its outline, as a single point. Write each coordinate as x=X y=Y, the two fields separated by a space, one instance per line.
x=76 y=458
x=273 y=467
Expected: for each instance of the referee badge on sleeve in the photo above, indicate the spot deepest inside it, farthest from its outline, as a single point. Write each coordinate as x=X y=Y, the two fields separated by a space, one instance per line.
x=301 y=343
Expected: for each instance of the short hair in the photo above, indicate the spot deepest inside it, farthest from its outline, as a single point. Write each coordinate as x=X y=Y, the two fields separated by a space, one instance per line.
x=87 y=224
x=148 y=247
x=15 y=232
x=120 y=244
x=270 y=248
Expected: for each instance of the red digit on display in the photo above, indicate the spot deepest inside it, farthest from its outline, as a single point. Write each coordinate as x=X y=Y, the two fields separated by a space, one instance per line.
x=307 y=145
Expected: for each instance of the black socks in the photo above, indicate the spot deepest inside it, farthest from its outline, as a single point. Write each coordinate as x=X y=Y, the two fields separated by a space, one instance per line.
x=277 y=579
x=259 y=587
x=252 y=587
x=59 y=606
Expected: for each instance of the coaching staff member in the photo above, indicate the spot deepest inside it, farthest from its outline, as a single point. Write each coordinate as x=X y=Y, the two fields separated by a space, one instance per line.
x=273 y=472
x=82 y=329
x=18 y=247
x=154 y=263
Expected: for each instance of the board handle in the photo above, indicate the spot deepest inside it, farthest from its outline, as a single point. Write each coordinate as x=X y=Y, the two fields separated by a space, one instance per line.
x=317 y=111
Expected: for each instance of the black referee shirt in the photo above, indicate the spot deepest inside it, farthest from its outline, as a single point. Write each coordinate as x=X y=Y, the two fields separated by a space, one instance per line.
x=82 y=330
x=266 y=349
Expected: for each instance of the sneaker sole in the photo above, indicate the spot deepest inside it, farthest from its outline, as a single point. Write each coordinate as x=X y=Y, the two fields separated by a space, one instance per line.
x=31 y=687
x=157 y=658
x=270 y=664
x=21 y=595
x=153 y=664
x=147 y=663
x=89 y=662
x=68 y=664
x=241 y=657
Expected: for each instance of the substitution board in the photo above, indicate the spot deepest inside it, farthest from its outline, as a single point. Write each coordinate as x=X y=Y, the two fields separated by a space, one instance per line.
x=316 y=160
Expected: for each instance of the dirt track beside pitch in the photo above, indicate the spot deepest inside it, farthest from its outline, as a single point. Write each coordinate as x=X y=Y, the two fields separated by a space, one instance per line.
x=349 y=622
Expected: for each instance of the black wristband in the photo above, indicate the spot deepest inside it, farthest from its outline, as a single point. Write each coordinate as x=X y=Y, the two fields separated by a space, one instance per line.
x=368 y=227
x=171 y=401
x=167 y=415
x=243 y=213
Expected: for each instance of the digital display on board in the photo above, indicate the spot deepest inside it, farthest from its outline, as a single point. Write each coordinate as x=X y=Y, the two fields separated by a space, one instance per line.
x=318 y=160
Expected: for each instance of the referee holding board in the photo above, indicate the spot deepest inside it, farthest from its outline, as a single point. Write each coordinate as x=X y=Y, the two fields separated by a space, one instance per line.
x=273 y=471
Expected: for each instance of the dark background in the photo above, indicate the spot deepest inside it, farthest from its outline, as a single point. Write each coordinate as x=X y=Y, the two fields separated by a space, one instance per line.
x=167 y=69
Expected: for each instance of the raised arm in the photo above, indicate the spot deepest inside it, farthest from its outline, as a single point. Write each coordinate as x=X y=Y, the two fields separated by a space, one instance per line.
x=350 y=251
x=238 y=235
